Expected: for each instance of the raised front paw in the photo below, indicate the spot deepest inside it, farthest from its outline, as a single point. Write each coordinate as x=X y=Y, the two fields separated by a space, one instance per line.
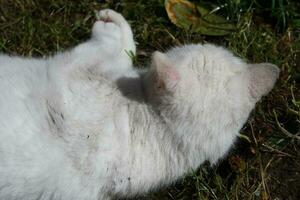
x=108 y=15
x=113 y=24
x=105 y=30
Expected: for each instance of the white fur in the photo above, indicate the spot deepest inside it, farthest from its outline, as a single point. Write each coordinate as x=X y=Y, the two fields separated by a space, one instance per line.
x=78 y=126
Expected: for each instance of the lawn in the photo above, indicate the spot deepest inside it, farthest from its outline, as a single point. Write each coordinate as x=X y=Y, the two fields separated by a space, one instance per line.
x=265 y=162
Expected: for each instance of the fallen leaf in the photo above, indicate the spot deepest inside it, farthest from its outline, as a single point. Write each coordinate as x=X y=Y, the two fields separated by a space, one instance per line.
x=197 y=18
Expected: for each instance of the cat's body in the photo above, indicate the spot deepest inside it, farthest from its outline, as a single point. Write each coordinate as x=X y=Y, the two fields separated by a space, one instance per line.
x=84 y=125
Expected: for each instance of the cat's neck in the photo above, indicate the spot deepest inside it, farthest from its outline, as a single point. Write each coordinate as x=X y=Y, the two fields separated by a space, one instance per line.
x=187 y=133
x=158 y=156
x=154 y=158
x=183 y=134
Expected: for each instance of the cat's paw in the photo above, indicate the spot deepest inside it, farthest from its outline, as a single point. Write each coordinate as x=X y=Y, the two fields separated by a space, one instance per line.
x=104 y=29
x=109 y=17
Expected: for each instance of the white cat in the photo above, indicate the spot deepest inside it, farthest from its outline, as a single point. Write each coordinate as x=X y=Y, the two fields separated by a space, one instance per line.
x=84 y=125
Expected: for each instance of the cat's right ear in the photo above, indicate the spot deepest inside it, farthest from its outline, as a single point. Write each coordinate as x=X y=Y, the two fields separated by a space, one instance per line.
x=166 y=76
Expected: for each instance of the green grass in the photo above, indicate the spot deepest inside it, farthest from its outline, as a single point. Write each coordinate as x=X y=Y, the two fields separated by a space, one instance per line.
x=265 y=163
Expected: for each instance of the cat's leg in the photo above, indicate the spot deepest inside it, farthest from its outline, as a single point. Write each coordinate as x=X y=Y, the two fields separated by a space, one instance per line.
x=113 y=24
x=110 y=48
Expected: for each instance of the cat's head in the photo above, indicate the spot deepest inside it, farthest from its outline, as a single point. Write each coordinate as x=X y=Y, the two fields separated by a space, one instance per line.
x=200 y=80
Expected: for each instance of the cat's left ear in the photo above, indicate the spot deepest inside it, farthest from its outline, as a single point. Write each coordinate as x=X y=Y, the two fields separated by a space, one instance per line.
x=166 y=76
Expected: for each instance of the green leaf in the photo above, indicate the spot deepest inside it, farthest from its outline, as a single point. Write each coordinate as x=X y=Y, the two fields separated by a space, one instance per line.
x=197 y=18
x=212 y=23
x=182 y=13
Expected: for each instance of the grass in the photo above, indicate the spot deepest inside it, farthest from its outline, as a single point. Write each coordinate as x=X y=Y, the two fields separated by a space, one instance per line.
x=265 y=162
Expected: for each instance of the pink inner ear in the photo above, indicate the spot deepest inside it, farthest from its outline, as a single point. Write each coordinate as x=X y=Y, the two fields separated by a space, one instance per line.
x=166 y=74
x=169 y=76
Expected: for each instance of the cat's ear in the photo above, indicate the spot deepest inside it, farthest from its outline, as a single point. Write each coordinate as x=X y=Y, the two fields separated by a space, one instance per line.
x=262 y=78
x=167 y=76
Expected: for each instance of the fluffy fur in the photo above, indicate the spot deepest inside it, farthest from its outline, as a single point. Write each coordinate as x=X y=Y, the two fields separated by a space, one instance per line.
x=84 y=125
